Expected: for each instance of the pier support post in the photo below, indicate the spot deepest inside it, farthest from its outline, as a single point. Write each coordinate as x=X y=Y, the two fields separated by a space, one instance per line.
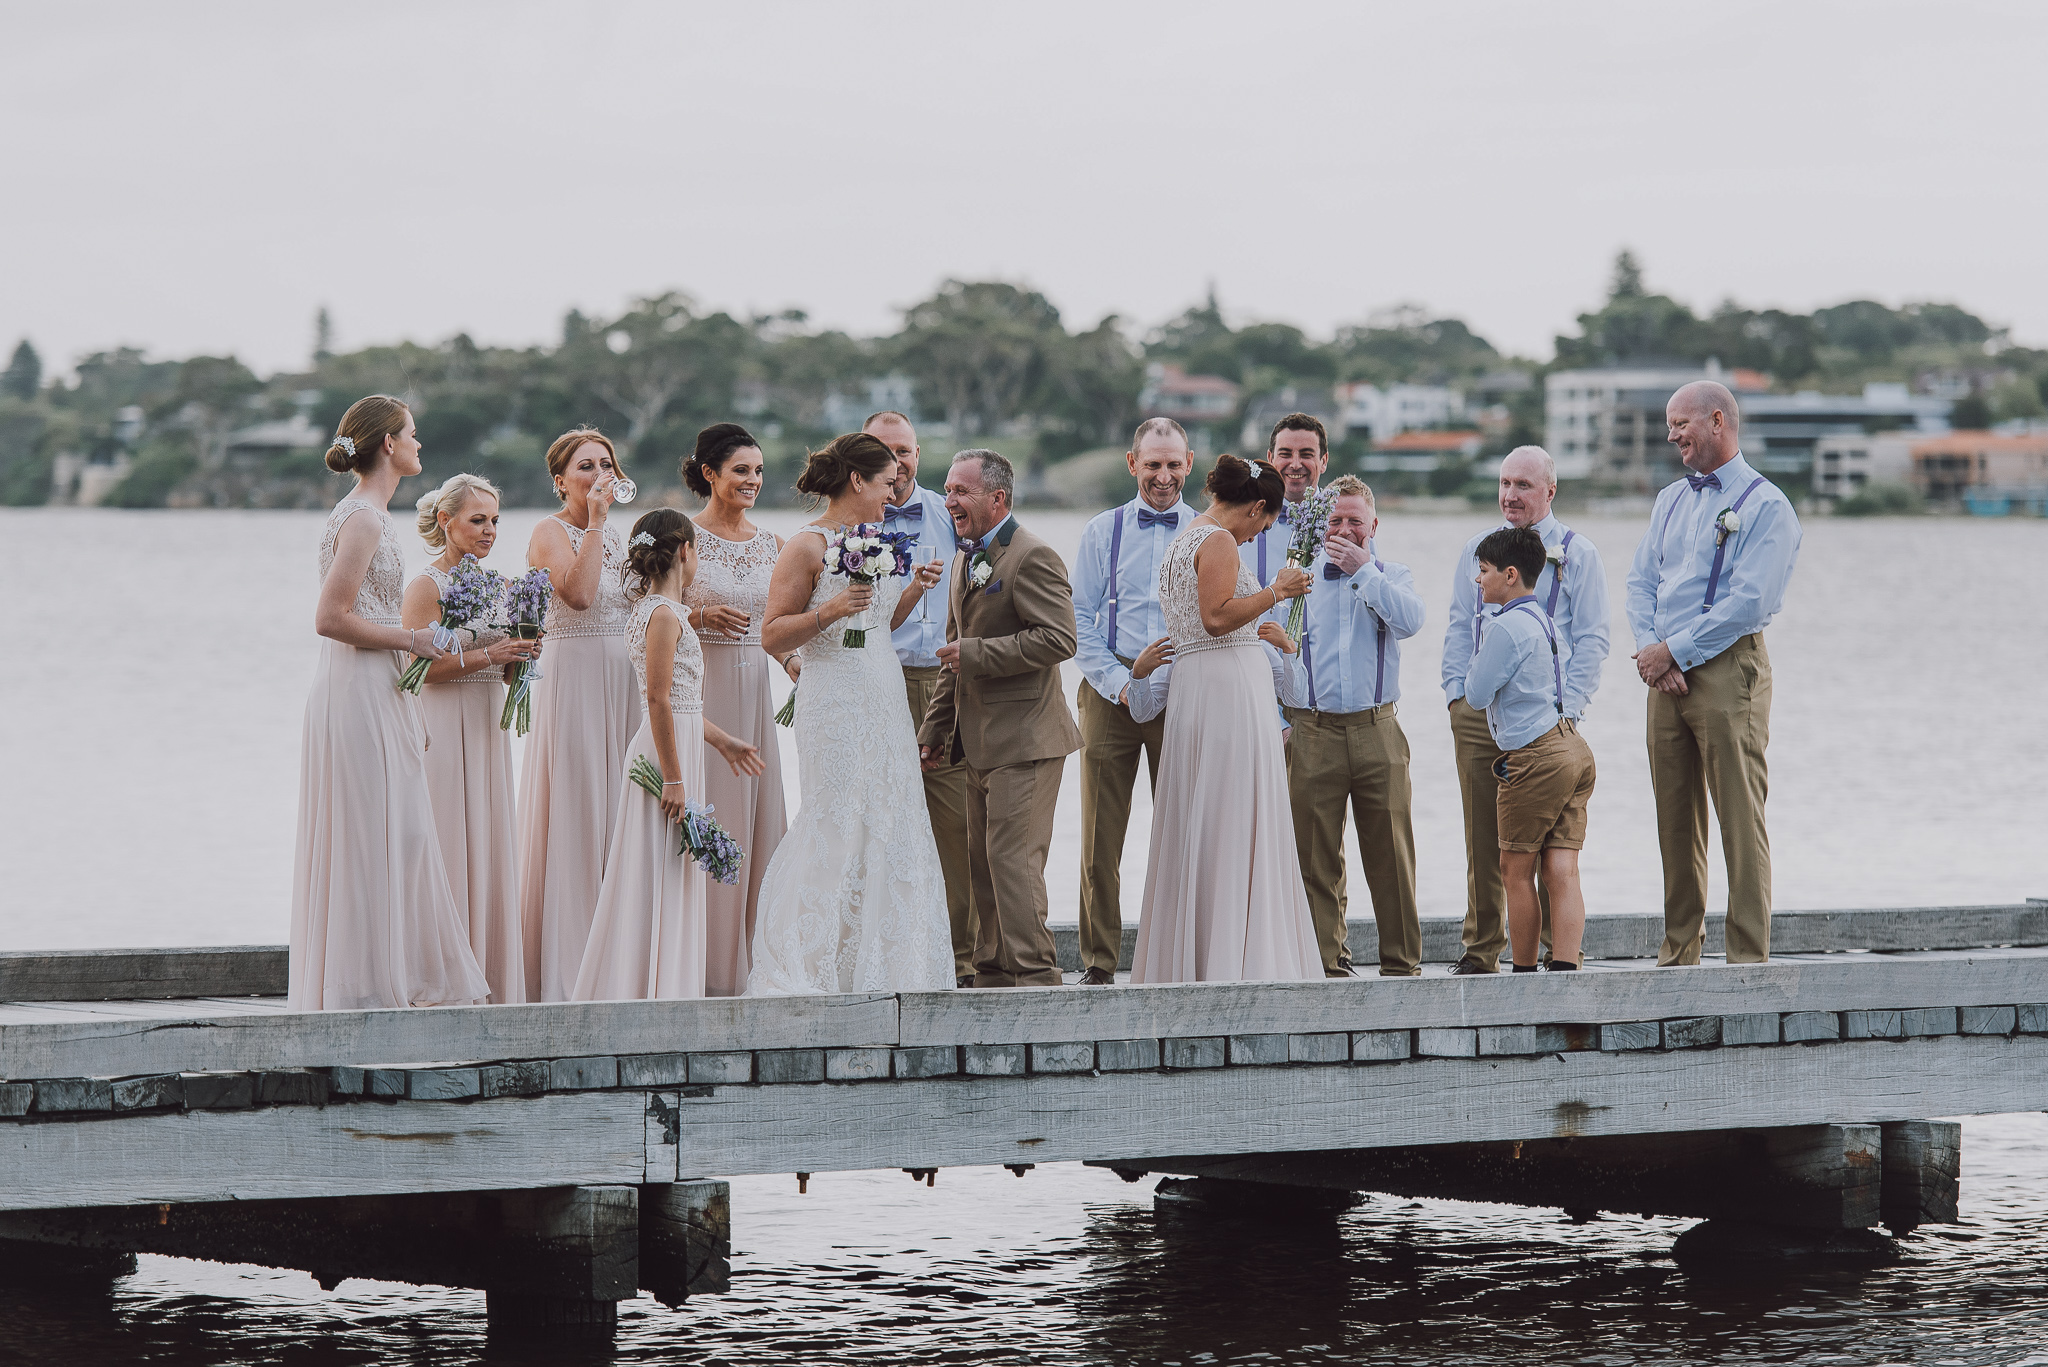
x=1922 y=1172
x=685 y=1239
x=1228 y=1196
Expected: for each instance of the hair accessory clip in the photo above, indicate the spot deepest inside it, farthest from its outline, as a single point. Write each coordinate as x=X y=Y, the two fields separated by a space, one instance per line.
x=347 y=444
x=1256 y=471
x=641 y=539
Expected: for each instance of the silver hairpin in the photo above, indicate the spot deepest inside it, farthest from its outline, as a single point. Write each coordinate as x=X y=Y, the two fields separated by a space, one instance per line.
x=347 y=444
x=641 y=539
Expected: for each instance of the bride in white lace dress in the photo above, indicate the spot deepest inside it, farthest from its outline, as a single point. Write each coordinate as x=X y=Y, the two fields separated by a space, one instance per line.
x=853 y=900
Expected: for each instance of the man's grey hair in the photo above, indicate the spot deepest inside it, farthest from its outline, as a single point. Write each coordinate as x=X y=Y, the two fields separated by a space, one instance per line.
x=1158 y=427
x=996 y=472
x=1549 y=465
x=1705 y=396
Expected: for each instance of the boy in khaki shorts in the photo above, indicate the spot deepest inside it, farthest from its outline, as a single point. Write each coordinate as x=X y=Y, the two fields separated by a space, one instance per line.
x=1546 y=770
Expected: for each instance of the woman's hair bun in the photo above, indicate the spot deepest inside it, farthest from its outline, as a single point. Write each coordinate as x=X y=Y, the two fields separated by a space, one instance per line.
x=1237 y=480
x=832 y=466
x=449 y=498
x=657 y=537
x=359 y=436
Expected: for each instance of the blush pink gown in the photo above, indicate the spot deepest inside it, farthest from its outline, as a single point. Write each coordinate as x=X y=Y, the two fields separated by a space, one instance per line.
x=374 y=923
x=648 y=940
x=1224 y=900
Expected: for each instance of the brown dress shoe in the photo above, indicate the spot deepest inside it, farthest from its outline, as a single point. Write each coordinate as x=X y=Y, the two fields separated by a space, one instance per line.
x=967 y=981
x=1468 y=966
x=1098 y=977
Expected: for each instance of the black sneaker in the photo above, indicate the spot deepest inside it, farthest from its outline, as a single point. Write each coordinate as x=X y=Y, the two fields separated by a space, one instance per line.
x=1468 y=966
x=1559 y=966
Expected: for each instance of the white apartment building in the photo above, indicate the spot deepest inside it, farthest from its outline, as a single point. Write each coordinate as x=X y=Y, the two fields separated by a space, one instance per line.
x=1609 y=424
x=1844 y=462
x=1398 y=408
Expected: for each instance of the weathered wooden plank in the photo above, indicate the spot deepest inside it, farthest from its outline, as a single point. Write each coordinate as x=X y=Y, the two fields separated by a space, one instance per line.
x=101 y=974
x=548 y=1031
x=579 y=1139
x=662 y=1153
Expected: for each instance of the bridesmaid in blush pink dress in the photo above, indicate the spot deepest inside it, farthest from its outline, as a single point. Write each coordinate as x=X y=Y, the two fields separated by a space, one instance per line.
x=735 y=560
x=1224 y=900
x=374 y=923
x=649 y=937
x=469 y=764
x=585 y=709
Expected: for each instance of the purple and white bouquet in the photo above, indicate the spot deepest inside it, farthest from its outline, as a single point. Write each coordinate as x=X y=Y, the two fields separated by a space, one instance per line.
x=698 y=835
x=1311 y=520
x=864 y=554
x=526 y=615
x=471 y=596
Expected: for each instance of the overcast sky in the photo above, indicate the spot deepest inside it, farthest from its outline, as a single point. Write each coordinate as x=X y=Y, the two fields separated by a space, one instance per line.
x=201 y=177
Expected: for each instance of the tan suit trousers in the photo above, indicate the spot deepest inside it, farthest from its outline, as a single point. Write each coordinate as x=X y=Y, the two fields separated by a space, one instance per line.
x=1110 y=743
x=1486 y=907
x=1362 y=756
x=1009 y=829
x=945 y=797
x=1710 y=744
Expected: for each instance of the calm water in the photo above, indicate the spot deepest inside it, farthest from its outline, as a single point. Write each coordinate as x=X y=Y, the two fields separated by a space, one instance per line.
x=149 y=722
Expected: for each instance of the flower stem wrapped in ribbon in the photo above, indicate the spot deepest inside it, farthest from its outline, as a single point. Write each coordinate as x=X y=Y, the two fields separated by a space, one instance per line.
x=471 y=596
x=526 y=615
x=698 y=835
x=1311 y=519
x=864 y=554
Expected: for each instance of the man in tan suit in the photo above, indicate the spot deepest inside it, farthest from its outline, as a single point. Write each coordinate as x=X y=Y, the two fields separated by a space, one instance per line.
x=999 y=706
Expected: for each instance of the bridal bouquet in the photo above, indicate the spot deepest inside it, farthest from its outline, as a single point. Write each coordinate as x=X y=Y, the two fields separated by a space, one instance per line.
x=699 y=836
x=1311 y=519
x=864 y=554
x=526 y=611
x=471 y=595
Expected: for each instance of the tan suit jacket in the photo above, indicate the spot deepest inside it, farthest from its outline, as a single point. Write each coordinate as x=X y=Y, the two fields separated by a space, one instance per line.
x=1005 y=705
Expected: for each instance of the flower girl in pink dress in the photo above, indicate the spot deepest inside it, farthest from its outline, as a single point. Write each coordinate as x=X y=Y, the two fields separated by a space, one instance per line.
x=649 y=936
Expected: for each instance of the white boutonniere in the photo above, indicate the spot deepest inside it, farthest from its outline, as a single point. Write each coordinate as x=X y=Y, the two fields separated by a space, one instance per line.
x=1727 y=525
x=982 y=570
x=1554 y=554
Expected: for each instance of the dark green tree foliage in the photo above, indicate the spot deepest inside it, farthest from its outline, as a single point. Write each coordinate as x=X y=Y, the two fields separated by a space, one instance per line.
x=23 y=378
x=978 y=350
x=1971 y=413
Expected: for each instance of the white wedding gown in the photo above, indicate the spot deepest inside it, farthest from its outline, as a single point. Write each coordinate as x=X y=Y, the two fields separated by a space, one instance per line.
x=853 y=900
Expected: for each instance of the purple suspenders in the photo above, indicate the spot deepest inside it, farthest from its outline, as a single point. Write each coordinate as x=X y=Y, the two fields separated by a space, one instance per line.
x=1379 y=674
x=1556 y=667
x=1721 y=549
x=1116 y=549
x=1564 y=550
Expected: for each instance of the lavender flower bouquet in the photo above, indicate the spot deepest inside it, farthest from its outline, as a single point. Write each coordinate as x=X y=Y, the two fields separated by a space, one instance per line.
x=698 y=835
x=471 y=595
x=526 y=614
x=864 y=554
x=1311 y=520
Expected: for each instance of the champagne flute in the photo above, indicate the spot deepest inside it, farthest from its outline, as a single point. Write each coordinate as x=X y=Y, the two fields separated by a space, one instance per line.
x=924 y=602
x=624 y=490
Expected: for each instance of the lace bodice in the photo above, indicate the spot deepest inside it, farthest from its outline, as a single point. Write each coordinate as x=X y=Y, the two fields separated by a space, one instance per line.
x=607 y=616
x=825 y=646
x=383 y=586
x=1181 y=601
x=486 y=635
x=735 y=574
x=686 y=683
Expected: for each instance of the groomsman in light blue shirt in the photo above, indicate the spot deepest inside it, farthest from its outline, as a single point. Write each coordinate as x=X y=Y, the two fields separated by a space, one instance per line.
x=1299 y=448
x=1347 y=743
x=1116 y=615
x=914 y=508
x=1572 y=591
x=1707 y=579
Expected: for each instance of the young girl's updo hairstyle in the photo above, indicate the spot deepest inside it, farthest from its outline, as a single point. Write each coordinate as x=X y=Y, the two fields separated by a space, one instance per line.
x=1235 y=480
x=648 y=560
x=565 y=447
x=359 y=437
x=449 y=499
x=832 y=466
x=715 y=445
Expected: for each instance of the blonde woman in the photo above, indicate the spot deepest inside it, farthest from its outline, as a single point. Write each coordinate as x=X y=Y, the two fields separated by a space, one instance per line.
x=469 y=765
x=374 y=923
x=585 y=710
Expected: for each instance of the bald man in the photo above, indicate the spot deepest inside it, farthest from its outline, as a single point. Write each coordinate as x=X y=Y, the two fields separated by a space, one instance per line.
x=1572 y=591
x=1707 y=579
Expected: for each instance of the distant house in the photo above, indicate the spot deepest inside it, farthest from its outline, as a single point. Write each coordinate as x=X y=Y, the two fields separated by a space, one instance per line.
x=882 y=393
x=1987 y=471
x=266 y=440
x=1844 y=462
x=1383 y=413
x=1171 y=392
x=1420 y=452
x=1261 y=413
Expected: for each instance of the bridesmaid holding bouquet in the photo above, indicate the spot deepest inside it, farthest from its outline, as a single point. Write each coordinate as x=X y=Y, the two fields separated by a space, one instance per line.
x=469 y=767
x=735 y=560
x=585 y=709
x=374 y=923
x=648 y=939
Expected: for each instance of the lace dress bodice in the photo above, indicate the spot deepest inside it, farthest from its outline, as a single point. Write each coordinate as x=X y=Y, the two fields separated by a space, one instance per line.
x=383 y=586
x=735 y=574
x=486 y=635
x=1181 y=601
x=686 y=683
x=825 y=647
x=607 y=616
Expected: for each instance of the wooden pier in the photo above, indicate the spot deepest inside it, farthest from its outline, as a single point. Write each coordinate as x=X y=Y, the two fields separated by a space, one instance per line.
x=562 y=1156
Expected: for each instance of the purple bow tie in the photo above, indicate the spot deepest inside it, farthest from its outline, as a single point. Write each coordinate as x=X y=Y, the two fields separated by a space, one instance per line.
x=1330 y=571
x=966 y=546
x=1148 y=517
x=1699 y=482
x=913 y=511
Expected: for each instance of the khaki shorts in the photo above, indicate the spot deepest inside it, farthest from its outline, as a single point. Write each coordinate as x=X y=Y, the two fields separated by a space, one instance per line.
x=1544 y=787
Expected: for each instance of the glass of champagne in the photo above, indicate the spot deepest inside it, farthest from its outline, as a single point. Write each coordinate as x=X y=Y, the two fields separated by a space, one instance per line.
x=624 y=490
x=924 y=602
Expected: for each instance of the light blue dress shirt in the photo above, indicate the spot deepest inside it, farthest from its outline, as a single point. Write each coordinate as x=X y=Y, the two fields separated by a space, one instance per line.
x=1139 y=620
x=1147 y=697
x=1351 y=663
x=1669 y=581
x=1515 y=676
x=1581 y=613
x=917 y=641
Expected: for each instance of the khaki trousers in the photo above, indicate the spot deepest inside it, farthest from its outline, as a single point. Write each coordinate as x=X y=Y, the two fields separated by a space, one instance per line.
x=1362 y=756
x=1710 y=744
x=945 y=797
x=1110 y=743
x=1009 y=828
x=1486 y=907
